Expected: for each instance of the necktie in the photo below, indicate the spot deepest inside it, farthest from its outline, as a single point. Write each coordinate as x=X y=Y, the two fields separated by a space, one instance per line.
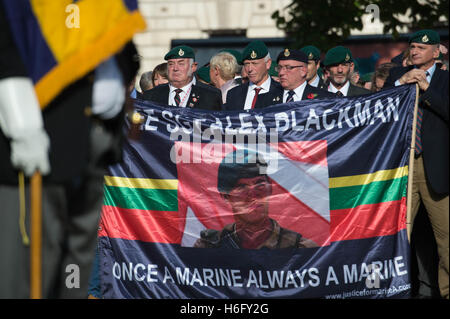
x=290 y=96
x=418 y=149
x=339 y=93
x=177 y=97
x=255 y=97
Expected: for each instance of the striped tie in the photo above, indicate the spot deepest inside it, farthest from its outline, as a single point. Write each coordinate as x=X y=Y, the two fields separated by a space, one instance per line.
x=418 y=145
x=177 y=97
x=290 y=96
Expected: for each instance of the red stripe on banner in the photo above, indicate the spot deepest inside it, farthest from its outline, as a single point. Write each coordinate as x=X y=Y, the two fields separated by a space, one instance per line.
x=313 y=152
x=367 y=221
x=293 y=214
x=143 y=225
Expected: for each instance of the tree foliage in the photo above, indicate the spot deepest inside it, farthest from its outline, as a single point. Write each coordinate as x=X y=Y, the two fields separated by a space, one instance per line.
x=327 y=23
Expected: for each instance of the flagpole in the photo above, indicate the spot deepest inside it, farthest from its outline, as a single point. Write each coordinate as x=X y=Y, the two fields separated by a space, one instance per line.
x=36 y=237
x=411 y=167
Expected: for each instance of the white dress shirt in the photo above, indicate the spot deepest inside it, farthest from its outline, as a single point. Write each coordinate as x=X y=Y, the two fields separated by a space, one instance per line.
x=298 y=93
x=184 y=95
x=344 y=89
x=265 y=87
x=315 y=83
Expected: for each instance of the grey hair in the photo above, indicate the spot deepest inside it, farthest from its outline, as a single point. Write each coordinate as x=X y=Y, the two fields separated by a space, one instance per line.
x=146 y=81
x=226 y=63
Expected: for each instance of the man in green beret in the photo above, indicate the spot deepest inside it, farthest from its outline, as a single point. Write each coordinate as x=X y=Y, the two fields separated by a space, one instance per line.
x=261 y=90
x=339 y=66
x=183 y=89
x=203 y=74
x=292 y=70
x=313 y=78
x=430 y=179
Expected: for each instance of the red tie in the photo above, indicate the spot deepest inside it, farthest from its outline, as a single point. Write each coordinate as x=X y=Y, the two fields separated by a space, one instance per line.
x=177 y=96
x=255 y=97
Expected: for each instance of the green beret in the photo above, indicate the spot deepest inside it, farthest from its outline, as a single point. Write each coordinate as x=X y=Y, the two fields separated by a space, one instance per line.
x=311 y=52
x=255 y=50
x=235 y=53
x=337 y=55
x=272 y=69
x=203 y=73
x=356 y=68
x=242 y=163
x=367 y=77
x=180 y=52
x=425 y=37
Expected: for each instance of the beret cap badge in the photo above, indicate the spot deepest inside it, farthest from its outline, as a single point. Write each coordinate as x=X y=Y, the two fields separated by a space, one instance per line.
x=347 y=57
x=310 y=56
x=425 y=38
x=181 y=52
x=253 y=54
x=286 y=52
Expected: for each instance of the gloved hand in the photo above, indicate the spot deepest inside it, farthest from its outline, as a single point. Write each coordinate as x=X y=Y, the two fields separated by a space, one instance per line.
x=29 y=152
x=108 y=94
x=21 y=121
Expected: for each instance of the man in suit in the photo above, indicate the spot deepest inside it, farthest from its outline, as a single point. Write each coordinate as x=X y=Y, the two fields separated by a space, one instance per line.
x=261 y=90
x=431 y=149
x=292 y=71
x=183 y=90
x=339 y=65
x=313 y=78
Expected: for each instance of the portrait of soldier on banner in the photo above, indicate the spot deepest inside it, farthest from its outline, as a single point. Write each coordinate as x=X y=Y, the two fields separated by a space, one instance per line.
x=245 y=198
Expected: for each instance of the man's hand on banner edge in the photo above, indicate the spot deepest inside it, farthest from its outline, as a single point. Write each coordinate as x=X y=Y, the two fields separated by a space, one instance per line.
x=415 y=76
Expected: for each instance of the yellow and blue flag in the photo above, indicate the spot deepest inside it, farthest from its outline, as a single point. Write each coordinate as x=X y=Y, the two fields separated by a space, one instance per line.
x=61 y=41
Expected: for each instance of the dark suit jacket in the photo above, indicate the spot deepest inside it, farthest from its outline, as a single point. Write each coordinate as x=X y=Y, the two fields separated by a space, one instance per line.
x=434 y=132
x=237 y=95
x=202 y=96
x=312 y=92
x=322 y=85
x=355 y=90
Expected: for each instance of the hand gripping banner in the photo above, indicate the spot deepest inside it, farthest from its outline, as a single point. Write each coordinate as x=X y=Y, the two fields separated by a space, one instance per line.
x=298 y=200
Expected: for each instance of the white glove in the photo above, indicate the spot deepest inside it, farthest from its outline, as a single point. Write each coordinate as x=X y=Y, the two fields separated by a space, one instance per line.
x=108 y=91
x=29 y=152
x=21 y=121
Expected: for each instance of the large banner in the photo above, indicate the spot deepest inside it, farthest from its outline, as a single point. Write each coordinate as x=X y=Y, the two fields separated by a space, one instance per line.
x=297 y=200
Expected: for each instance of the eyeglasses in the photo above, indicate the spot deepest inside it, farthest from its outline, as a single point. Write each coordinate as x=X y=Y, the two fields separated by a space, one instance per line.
x=278 y=68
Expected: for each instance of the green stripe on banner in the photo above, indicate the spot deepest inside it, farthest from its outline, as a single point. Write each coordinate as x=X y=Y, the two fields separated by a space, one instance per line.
x=373 y=193
x=141 y=198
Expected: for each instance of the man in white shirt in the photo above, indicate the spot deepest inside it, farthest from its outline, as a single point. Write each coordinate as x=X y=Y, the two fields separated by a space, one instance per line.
x=430 y=177
x=183 y=90
x=261 y=90
x=292 y=71
x=339 y=64
x=313 y=78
